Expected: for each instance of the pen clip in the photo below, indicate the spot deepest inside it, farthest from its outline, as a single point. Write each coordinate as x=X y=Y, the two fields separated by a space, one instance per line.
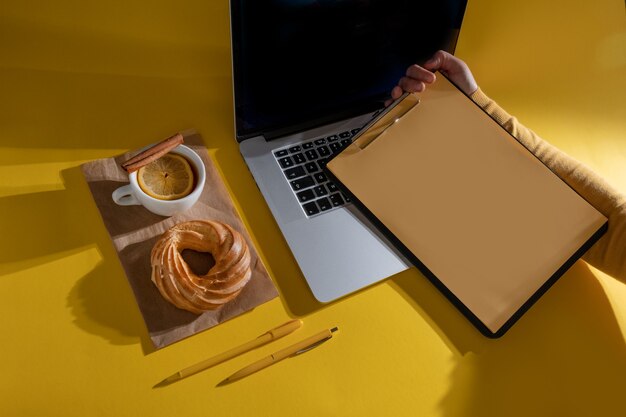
x=312 y=346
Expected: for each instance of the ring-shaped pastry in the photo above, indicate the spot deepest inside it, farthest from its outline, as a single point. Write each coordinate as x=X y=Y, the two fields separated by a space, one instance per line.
x=179 y=285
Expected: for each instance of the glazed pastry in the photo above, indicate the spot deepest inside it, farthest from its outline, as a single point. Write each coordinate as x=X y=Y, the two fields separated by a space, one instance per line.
x=179 y=285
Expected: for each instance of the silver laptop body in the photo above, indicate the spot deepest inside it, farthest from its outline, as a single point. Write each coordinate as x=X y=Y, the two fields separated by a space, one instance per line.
x=286 y=56
x=338 y=251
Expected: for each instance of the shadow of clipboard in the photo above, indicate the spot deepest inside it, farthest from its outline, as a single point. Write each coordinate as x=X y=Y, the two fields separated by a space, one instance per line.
x=474 y=210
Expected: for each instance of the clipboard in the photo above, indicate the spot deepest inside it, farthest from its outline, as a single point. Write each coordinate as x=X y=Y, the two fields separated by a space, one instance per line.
x=474 y=210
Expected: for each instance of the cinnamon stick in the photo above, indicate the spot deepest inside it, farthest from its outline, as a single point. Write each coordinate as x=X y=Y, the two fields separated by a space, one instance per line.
x=153 y=153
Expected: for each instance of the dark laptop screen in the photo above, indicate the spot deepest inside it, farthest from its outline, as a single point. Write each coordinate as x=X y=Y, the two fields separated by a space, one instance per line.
x=302 y=63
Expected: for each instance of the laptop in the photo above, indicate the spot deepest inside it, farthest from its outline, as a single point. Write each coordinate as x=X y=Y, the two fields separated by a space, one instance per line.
x=307 y=76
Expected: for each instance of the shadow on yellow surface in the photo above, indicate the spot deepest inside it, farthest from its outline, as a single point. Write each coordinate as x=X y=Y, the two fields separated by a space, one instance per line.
x=569 y=345
x=48 y=223
x=102 y=302
x=58 y=225
x=74 y=83
x=65 y=110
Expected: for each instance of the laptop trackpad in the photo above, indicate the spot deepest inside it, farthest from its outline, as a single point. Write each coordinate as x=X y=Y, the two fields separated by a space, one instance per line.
x=340 y=252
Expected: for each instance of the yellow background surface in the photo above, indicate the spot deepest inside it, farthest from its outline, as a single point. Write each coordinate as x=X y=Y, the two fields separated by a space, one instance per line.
x=81 y=80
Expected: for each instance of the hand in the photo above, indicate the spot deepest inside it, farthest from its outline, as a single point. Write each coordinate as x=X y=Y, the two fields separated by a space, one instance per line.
x=417 y=77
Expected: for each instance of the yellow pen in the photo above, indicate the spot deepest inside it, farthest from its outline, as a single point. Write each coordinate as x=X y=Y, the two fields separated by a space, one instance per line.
x=270 y=335
x=293 y=350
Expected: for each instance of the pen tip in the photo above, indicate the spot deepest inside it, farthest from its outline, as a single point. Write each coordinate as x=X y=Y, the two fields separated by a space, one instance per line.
x=224 y=382
x=167 y=381
x=334 y=329
x=161 y=384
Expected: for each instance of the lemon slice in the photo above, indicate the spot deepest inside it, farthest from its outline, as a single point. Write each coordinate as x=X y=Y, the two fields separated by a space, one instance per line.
x=168 y=178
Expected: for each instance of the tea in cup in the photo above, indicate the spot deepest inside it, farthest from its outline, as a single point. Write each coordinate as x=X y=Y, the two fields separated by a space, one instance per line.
x=169 y=185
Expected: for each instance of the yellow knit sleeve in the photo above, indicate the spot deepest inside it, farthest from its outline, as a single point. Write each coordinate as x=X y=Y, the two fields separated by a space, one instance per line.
x=609 y=253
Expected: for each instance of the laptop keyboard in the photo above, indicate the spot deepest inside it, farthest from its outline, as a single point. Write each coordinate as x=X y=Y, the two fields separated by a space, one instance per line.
x=303 y=164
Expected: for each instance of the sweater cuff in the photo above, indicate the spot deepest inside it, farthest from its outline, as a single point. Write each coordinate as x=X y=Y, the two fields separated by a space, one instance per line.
x=480 y=98
x=494 y=110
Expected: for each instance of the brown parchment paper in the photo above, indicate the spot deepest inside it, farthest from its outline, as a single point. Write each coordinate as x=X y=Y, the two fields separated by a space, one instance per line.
x=134 y=230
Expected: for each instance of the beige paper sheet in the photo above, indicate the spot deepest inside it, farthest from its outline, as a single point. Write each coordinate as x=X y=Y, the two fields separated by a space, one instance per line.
x=134 y=230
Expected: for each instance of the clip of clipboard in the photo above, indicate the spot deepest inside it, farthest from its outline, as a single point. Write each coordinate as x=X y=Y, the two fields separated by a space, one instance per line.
x=379 y=124
x=474 y=210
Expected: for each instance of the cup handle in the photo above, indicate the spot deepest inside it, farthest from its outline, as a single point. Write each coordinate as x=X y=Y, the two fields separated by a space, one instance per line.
x=123 y=196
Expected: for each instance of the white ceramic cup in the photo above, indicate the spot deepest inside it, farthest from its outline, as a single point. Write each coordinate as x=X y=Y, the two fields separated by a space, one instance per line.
x=132 y=194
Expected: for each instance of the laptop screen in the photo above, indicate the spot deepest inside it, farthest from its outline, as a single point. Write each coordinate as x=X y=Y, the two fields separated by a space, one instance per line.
x=303 y=63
